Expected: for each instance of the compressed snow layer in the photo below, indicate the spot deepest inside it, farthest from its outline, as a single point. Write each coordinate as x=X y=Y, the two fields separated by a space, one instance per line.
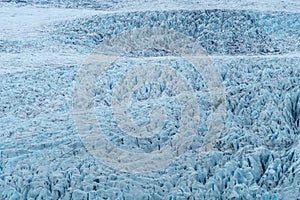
x=143 y=5
x=255 y=52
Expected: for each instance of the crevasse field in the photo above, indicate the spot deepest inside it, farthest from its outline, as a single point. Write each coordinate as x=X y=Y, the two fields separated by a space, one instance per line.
x=141 y=99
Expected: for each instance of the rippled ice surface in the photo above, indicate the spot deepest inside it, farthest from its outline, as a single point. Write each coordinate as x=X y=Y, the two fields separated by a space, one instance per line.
x=254 y=46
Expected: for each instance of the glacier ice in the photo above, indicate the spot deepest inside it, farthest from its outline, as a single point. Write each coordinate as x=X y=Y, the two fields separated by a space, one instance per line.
x=256 y=157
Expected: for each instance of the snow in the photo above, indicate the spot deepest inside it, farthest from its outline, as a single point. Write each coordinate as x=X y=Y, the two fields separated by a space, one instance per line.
x=254 y=45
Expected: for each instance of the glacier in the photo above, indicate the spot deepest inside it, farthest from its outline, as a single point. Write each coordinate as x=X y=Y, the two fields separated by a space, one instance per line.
x=255 y=48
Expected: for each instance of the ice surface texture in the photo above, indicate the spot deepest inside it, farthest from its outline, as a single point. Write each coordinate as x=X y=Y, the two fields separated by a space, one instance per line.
x=256 y=156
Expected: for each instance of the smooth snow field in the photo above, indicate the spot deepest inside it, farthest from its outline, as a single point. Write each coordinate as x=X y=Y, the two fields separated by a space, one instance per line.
x=119 y=99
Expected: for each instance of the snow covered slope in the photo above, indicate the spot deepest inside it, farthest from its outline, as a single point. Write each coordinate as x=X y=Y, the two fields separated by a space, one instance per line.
x=254 y=46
